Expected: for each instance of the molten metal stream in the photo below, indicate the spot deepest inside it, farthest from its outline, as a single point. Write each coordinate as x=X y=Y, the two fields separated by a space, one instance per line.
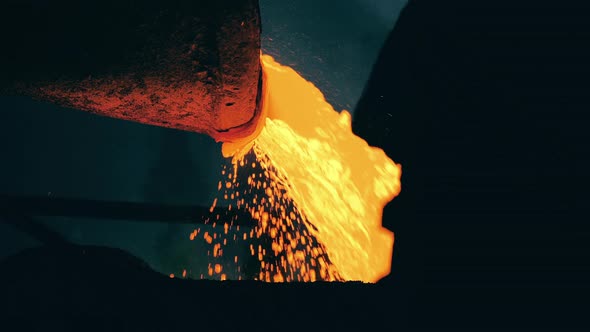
x=317 y=190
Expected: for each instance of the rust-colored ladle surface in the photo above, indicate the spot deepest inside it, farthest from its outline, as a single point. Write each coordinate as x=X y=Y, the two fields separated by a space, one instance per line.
x=187 y=64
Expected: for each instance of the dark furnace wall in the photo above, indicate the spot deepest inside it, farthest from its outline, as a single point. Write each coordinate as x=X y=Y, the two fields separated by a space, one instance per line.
x=485 y=105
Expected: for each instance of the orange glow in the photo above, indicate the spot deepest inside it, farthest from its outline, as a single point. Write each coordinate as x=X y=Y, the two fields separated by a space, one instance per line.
x=316 y=189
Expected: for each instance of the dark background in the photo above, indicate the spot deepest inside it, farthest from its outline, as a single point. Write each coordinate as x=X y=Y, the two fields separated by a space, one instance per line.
x=483 y=102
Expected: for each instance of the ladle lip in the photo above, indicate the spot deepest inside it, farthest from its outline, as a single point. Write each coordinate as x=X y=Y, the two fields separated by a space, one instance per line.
x=248 y=128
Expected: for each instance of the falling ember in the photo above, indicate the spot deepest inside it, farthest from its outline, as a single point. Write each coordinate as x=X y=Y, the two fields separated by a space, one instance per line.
x=316 y=189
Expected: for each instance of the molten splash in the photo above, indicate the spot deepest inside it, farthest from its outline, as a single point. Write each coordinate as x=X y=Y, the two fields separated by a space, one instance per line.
x=320 y=191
